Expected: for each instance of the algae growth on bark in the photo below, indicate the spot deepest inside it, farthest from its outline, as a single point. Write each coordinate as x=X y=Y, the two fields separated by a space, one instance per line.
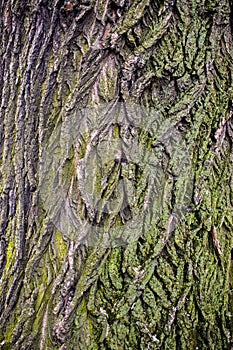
x=116 y=174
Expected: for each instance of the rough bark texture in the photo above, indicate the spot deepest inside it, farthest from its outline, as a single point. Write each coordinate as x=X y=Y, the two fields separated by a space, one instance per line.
x=57 y=57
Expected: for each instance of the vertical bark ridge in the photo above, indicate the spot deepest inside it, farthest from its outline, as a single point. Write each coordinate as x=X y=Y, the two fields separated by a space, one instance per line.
x=163 y=290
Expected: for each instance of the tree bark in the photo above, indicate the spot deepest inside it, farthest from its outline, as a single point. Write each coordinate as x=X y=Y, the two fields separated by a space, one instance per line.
x=166 y=281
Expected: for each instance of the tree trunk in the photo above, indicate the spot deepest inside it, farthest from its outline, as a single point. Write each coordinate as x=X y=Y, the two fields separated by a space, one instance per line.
x=116 y=174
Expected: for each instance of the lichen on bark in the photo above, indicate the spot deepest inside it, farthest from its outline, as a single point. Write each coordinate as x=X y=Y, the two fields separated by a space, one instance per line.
x=163 y=289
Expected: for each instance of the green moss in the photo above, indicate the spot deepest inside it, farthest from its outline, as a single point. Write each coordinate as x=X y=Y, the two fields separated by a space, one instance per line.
x=10 y=253
x=41 y=293
x=107 y=86
x=10 y=328
x=60 y=244
x=133 y=15
x=113 y=267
